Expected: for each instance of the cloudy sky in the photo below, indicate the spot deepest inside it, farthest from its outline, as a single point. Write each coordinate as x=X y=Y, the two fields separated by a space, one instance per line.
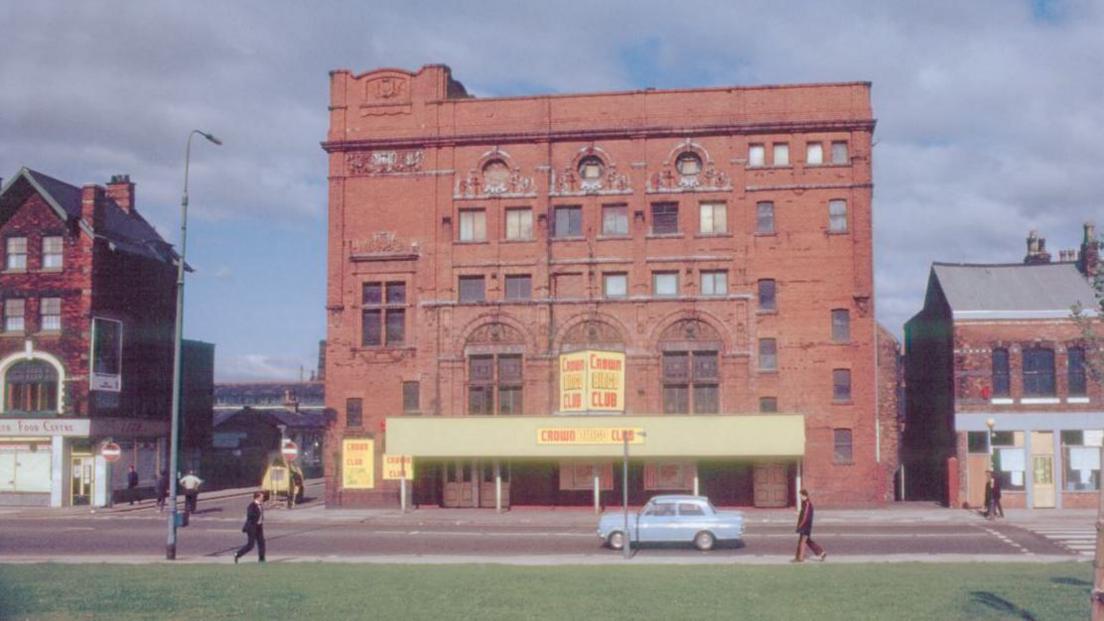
x=989 y=112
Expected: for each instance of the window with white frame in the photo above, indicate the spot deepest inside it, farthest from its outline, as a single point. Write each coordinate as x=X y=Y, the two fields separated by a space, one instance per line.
x=50 y=314
x=51 y=252
x=1081 y=458
x=841 y=325
x=713 y=219
x=814 y=154
x=768 y=355
x=764 y=217
x=757 y=155
x=615 y=220
x=473 y=225
x=781 y=154
x=519 y=224
x=837 y=216
x=13 y=315
x=665 y=284
x=16 y=253
x=714 y=282
x=839 y=152
x=615 y=285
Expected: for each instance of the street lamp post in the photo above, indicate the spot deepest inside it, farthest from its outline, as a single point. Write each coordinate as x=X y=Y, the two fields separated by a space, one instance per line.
x=174 y=431
x=990 y=423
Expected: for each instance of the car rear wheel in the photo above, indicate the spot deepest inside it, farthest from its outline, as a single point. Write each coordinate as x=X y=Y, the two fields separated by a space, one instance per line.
x=616 y=540
x=704 y=540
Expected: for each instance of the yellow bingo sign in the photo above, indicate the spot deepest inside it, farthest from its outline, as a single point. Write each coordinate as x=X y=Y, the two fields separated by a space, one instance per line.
x=358 y=464
x=592 y=381
x=396 y=467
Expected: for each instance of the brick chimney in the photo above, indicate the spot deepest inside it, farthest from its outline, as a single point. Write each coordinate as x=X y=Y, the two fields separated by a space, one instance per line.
x=92 y=206
x=121 y=190
x=1036 y=250
x=1089 y=262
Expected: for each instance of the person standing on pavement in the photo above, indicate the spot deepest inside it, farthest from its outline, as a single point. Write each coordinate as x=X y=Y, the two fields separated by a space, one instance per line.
x=253 y=528
x=988 y=494
x=805 y=531
x=132 y=483
x=190 y=482
x=997 y=509
x=162 y=490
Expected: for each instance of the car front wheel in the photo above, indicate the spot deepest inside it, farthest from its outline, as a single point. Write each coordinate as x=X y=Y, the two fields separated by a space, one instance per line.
x=704 y=541
x=616 y=540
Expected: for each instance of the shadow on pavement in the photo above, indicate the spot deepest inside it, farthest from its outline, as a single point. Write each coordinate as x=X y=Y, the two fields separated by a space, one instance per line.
x=1001 y=605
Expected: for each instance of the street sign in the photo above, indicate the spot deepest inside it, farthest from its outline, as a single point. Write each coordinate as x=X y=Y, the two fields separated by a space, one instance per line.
x=111 y=452
x=290 y=450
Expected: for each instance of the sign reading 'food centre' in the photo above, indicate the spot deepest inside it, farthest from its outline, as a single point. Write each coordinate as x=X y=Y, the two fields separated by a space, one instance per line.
x=589 y=435
x=592 y=381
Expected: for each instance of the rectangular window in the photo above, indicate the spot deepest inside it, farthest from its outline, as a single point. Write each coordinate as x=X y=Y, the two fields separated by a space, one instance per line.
x=814 y=154
x=1076 y=371
x=842 y=453
x=665 y=284
x=841 y=325
x=396 y=327
x=383 y=314
x=837 y=216
x=569 y=222
x=50 y=312
x=767 y=299
x=354 y=413
x=1001 y=376
x=371 y=334
x=411 y=395
x=396 y=293
x=492 y=380
x=757 y=155
x=519 y=287
x=473 y=225
x=371 y=293
x=768 y=404
x=714 y=218
x=977 y=442
x=1038 y=372
x=472 y=289
x=615 y=220
x=1081 y=459
x=781 y=154
x=768 y=355
x=665 y=218
x=615 y=285
x=16 y=256
x=764 y=218
x=841 y=384
x=705 y=399
x=13 y=315
x=714 y=282
x=519 y=224
x=51 y=252
x=839 y=153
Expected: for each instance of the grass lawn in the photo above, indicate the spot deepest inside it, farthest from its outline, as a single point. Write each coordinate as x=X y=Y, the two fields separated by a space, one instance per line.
x=399 y=592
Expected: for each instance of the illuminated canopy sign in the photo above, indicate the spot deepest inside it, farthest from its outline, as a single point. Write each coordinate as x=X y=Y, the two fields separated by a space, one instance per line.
x=592 y=381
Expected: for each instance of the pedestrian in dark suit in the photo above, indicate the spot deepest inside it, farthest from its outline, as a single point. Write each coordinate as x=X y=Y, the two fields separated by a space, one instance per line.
x=163 y=490
x=998 y=510
x=805 y=531
x=254 y=528
x=132 y=484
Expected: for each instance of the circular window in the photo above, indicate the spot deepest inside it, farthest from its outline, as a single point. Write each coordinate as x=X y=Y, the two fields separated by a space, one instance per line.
x=688 y=164
x=590 y=168
x=495 y=174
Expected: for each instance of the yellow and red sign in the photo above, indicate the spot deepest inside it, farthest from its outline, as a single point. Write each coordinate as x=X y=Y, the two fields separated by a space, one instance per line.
x=358 y=457
x=397 y=467
x=589 y=435
x=592 y=381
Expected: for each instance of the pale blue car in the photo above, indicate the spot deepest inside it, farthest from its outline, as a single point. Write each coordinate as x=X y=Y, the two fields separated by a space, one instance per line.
x=673 y=518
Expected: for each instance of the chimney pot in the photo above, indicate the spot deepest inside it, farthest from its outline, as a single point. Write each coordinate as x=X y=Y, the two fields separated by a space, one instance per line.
x=121 y=190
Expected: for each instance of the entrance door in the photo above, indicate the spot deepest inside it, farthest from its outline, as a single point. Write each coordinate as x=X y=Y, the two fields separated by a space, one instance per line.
x=976 y=466
x=459 y=484
x=487 y=486
x=1042 y=469
x=83 y=477
x=771 y=485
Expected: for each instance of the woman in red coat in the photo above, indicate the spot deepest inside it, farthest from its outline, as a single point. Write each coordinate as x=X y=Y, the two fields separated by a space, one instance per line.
x=805 y=531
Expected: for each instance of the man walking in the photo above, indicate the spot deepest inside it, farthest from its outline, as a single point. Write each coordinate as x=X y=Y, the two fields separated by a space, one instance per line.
x=997 y=509
x=805 y=531
x=254 y=528
x=163 y=490
x=132 y=483
x=190 y=482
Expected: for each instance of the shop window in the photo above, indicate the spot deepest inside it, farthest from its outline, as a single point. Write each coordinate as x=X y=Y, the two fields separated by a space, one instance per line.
x=665 y=219
x=665 y=284
x=1009 y=461
x=764 y=218
x=757 y=155
x=16 y=254
x=13 y=315
x=714 y=282
x=781 y=154
x=1075 y=357
x=615 y=220
x=841 y=385
x=768 y=355
x=837 y=216
x=713 y=218
x=495 y=384
x=50 y=314
x=354 y=413
x=690 y=382
x=615 y=285
x=814 y=154
x=1038 y=372
x=383 y=314
x=842 y=452
x=411 y=395
x=1081 y=460
x=768 y=405
x=31 y=386
x=472 y=289
x=569 y=222
x=519 y=224
x=839 y=153
x=977 y=442
x=51 y=252
x=767 y=300
x=1001 y=378
x=841 y=325
x=519 y=287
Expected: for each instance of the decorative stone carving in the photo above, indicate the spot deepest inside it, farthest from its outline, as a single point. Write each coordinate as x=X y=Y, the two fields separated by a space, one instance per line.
x=690 y=330
x=568 y=183
x=475 y=186
x=593 y=332
x=384 y=162
x=381 y=245
x=495 y=333
x=709 y=180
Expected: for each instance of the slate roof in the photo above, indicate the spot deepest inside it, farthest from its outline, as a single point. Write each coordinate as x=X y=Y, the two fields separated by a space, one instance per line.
x=128 y=232
x=1013 y=291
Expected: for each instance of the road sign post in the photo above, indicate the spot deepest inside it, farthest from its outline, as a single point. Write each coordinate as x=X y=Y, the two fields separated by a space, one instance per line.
x=290 y=450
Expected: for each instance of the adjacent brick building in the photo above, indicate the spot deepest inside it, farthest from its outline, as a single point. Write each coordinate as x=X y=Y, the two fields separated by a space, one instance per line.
x=87 y=296
x=996 y=365
x=718 y=239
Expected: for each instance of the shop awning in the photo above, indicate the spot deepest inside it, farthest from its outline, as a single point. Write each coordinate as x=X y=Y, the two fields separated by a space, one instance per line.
x=751 y=436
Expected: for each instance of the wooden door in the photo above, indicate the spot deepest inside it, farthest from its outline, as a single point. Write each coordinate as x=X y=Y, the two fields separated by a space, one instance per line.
x=976 y=465
x=1042 y=469
x=487 y=486
x=458 y=484
x=771 y=485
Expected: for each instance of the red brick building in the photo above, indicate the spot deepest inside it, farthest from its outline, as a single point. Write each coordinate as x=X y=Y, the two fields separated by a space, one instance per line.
x=87 y=294
x=711 y=247
x=996 y=374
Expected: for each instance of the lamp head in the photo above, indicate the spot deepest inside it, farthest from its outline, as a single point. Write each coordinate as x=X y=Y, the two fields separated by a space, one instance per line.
x=212 y=138
x=990 y=423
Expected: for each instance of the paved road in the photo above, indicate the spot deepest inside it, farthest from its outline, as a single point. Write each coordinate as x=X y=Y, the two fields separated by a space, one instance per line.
x=312 y=532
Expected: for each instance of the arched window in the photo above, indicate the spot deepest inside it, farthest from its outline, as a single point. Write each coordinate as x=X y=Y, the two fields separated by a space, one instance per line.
x=591 y=168
x=690 y=368
x=688 y=164
x=495 y=176
x=30 y=386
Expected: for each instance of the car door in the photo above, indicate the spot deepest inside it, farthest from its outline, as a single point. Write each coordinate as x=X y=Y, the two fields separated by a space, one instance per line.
x=692 y=520
x=657 y=521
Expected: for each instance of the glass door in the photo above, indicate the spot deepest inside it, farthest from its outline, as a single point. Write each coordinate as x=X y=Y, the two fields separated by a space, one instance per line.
x=83 y=477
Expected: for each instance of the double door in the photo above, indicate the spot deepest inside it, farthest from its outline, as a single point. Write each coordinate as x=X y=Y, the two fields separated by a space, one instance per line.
x=471 y=483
